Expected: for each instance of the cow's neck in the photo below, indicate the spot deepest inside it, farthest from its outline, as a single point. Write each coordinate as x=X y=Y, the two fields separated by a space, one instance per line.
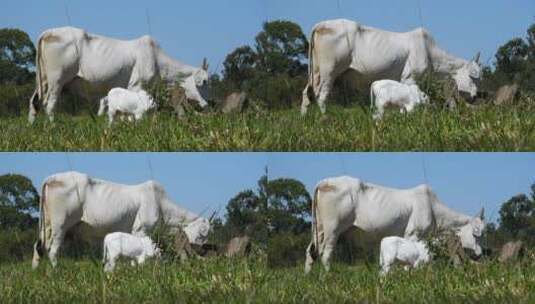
x=444 y=63
x=447 y=218
x=173 y=70
x=175 y=215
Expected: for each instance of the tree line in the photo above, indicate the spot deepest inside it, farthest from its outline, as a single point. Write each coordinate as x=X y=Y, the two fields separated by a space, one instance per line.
x=275 y=215
x=273 y=70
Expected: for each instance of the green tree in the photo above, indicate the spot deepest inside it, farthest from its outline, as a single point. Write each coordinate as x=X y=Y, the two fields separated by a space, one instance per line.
x=517 y=216
x=19 y=202
x=277 y=206
x=511 y=58
x=281 y=47
x=239 y=65
x=17 y=57
x=289 y=206
x=273 y=71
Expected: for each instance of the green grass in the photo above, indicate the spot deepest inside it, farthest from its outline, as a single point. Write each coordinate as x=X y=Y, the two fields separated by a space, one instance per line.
x=220 y=280
x=488 y=128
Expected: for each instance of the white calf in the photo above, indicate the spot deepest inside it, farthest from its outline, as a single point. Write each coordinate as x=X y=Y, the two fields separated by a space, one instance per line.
x=411 y=253
x=390 y=92
x=119 y=244
x=126 y=102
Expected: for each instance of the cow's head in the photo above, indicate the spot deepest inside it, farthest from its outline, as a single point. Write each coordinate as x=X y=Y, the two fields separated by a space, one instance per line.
x=198 y=230
x=470 y=234
x=468 y=77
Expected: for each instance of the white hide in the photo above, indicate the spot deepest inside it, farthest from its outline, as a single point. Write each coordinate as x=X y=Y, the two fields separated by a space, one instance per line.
x=120 y=244
x=339 y=46
x=90 y=65
x=409 y=252
x=340 y=203
x=391 y=92
x=127 y=102
x=73 y=200
x=197 y=231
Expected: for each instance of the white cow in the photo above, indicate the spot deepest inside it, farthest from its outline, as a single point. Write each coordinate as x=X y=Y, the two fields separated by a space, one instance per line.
x=341 y=203
x=390 y=92
x=120 y=244
x=197 y=231
x=409 y=252
x=92 y=208
x=127 y=102
x=90 y=65
x=364 y=54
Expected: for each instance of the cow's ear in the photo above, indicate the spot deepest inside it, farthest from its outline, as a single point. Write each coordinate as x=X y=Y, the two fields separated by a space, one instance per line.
x=205 y=64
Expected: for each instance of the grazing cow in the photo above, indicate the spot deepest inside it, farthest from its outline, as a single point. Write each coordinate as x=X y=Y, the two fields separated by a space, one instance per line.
x=410 y=252
x=127 y=102
x=363 y=54
x=117 y=244
x=390 y=92
x=92 y=208
x=90 y=65
x=197 y=231
x=340 y=203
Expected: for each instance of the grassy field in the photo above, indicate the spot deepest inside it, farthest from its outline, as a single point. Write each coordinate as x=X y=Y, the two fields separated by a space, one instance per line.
x=220 y=280
x=488 y=128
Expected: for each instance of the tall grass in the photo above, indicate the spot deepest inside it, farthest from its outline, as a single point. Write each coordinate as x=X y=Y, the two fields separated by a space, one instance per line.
x=488 y=128
x=220 y=280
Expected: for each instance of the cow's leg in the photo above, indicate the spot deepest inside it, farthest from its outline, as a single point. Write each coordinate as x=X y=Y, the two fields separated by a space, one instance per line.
x=324 y=89
x=32 y=106
x=310 y=257
x=56 y=242
x=110 y=263
x=111 y=115
x=379 y=112
x=306 y=101
x=52 y=97
x=140 y=259
x=328 y=247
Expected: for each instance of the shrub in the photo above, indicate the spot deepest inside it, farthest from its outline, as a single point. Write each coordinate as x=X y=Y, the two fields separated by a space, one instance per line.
x=16 y=245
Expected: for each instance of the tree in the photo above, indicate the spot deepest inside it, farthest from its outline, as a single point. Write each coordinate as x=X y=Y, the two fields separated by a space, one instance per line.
x=278 y=206
x=289 y=205
x=517 y=216
x=281 y=47
x=273 y=71
x=239 y=65
x=17 y=57
x=19 y=202
x=511 y=58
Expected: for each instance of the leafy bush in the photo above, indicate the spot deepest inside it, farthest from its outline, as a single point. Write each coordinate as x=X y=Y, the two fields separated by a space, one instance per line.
x=287 y=249
x=16 y=245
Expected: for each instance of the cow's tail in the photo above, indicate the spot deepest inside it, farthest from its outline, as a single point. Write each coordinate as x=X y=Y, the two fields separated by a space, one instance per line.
x=40 y=245
x=40 y=73
x=40 y=79
x=311 y=83
x=315 y=226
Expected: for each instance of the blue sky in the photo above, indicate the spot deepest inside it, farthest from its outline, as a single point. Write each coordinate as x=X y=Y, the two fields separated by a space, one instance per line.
x=190 y=30
x=464 y=181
